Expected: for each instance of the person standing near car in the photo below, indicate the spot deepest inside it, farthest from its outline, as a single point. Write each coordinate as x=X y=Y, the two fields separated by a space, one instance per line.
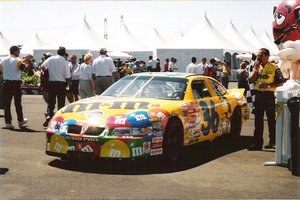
x=191 y=68
x=200 y=68
x=11 y=67
x=84 y=72
x=226 y=73
x=59 y=76
x=266 y=76
x=103 y=72
x=73 y=87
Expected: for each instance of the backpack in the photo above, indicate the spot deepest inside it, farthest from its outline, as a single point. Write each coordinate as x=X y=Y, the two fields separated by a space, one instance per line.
x=209 y=71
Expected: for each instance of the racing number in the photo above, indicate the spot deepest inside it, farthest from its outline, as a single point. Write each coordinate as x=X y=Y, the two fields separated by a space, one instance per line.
x=210 y=117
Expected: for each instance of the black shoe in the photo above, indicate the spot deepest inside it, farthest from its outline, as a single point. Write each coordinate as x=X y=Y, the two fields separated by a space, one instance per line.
x=270 y=146
x=46 y=122
x=255 y=147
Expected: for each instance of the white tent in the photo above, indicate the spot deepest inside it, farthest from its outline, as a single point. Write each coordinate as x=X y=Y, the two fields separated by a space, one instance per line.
x=203 y=36
x=118 y=54
x=82 y=37
x=252 y=37
x=35 y=43
x=155 y=40
x=202 y=41
x=4 y=45
x=125 y=41
x=232 y=34
x=270 y=42
x=79 y=41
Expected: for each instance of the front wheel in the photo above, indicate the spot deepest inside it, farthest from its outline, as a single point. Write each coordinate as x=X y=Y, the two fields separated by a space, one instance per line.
x=173 y=140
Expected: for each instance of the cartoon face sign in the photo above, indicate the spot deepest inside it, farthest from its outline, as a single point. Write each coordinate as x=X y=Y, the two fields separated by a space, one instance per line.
x=286 y=21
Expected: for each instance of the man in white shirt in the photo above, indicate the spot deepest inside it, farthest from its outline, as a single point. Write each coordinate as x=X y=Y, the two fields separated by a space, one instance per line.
x=59 y=76
x=152 y=65
x=191 y=68
x=104 y=70
x=11 y=67
x=200 y=68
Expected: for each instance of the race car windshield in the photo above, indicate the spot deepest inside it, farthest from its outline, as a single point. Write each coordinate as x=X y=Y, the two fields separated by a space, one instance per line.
x=148 y=87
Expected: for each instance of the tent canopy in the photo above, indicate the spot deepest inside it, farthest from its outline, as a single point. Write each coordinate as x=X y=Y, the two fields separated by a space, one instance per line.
x=232 y=34
x=4 y=45
x=203 y=36
x=82 y=37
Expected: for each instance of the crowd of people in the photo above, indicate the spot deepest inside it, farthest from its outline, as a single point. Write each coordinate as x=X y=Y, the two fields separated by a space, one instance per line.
x=216 y=69
x=62 y=77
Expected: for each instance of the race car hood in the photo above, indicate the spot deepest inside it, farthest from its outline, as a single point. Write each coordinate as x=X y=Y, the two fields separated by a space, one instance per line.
x=103 y=111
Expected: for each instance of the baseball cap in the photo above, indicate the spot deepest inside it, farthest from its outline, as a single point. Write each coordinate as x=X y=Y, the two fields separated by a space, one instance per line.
x=48 y=54
x=103 y=50
x=14 y=48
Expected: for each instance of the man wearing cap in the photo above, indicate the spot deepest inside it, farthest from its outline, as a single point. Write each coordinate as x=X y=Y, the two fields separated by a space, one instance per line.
x=103 y=72
x=59 y=75
x=11 y=67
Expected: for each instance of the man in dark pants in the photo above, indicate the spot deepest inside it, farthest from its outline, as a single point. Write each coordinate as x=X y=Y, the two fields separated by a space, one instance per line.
x=11 y=66
x=59 y=75
x=267 y=76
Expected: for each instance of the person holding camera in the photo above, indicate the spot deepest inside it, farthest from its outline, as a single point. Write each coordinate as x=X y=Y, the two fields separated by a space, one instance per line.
x=266 y=76
x=11 y=67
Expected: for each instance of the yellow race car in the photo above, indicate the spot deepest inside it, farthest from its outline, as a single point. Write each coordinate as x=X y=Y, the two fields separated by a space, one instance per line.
x=145 y=115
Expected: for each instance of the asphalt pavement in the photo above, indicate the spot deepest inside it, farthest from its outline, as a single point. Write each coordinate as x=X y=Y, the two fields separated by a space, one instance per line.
x=218 y=170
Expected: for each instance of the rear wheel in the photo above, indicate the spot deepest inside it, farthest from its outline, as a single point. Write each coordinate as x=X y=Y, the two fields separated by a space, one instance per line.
x=236 y=123
x=173 y=140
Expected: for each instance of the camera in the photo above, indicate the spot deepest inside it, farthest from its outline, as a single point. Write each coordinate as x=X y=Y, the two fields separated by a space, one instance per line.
x=259 y=58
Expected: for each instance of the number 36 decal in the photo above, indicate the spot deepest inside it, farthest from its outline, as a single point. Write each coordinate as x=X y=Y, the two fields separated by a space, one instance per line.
x=210 y=117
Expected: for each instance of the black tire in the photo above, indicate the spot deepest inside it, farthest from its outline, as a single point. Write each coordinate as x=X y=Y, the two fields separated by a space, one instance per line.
x=173 y=140
x=236 y=124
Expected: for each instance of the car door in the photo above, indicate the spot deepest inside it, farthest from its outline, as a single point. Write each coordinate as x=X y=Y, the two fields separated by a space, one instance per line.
x=210 y=109
x=222 y=107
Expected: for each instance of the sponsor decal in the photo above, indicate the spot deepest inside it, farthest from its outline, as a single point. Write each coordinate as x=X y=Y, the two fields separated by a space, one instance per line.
x=117 y=121
x=139 y=119
x=155 y=152
x=81 y=139
x=146 y=147
x=157 y=139
x=137 y=151
x=157 y=133
x=157 y=145
x=85 y=106
x=115 y=149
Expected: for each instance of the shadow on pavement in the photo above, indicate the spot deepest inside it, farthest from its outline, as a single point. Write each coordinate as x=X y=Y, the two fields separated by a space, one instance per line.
x=3 y=171
x=193 y=156
x=23 y=129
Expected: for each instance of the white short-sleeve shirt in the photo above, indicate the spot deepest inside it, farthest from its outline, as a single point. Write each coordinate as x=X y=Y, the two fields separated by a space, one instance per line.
x=103 y=66
x=11 y=69
x=85 y=72
x=58 y=68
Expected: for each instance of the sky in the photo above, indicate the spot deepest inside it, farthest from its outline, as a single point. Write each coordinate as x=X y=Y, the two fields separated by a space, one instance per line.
x=20 y=20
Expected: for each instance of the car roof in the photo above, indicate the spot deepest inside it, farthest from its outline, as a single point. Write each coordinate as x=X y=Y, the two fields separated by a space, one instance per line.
x=168 y=74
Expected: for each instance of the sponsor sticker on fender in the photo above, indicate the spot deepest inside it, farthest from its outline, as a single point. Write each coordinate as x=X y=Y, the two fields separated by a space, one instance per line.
x=146 y=147
x=156 y=145
x=157 y=139
x=155 y=152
